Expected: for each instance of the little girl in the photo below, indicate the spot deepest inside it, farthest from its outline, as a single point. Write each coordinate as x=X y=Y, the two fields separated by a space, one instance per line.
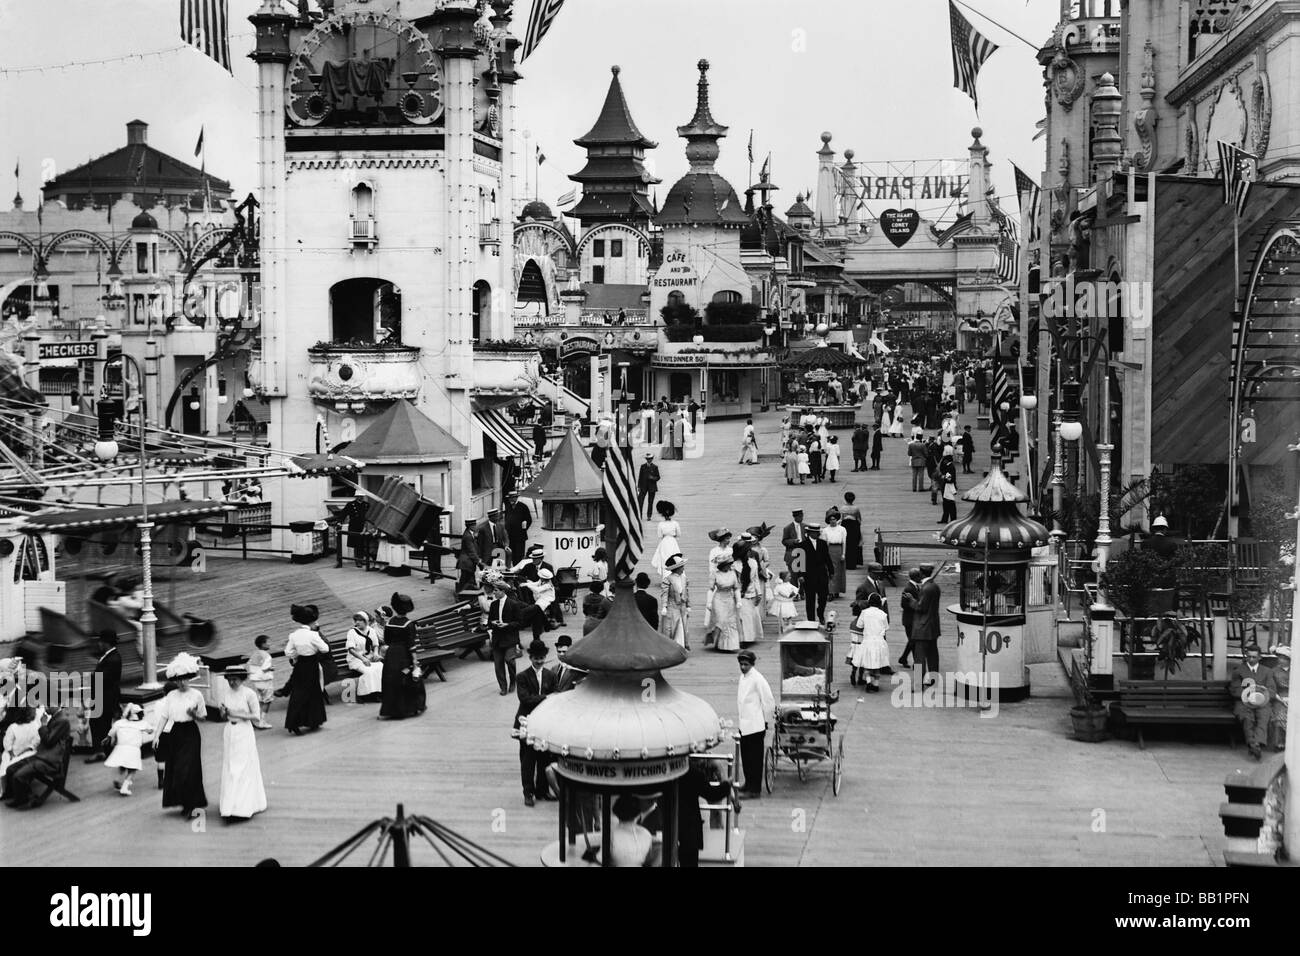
x=128 y=735
x=870 y=656
x=261 y=678
x=803 y=467
x=783 y=604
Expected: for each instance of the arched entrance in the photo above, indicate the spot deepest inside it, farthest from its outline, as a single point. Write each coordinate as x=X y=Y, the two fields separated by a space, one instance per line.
x=481 y=307
x=532 y=289
x=365 y=310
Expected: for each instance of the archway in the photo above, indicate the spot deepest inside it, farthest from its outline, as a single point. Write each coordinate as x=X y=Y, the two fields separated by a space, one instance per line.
x=532 y=289
x=365 y=310
x=481 y=307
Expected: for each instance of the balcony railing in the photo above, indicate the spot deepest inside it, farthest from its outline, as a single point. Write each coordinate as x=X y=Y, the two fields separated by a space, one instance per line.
x=594 y=318
x=364 y=230
x=489 y=232
x=359 y=373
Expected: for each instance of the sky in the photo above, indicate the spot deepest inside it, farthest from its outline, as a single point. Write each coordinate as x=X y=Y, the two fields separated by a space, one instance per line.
x=877 y=74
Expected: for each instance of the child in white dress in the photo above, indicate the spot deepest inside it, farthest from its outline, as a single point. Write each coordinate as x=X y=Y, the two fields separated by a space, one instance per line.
x=128 y=735
x=261 y=677
x=871 y=655
x=783 y=606
x=802 y=459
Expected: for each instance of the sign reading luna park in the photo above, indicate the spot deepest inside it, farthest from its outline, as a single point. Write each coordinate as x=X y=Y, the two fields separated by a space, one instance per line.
x=928 y=185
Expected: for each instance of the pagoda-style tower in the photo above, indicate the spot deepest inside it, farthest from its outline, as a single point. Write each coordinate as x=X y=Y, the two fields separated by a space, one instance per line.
x=615 y=183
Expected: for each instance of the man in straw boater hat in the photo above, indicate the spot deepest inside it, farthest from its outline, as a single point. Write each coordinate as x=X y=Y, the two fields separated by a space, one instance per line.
x=817 y=571
x=1253 y=689
x=675 y=602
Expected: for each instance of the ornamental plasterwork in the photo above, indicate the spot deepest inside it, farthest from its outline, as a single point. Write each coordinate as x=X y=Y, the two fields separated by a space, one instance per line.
x=1144 y=122
x=1063 y=74
x=1191 y=139
x=1261 y=106
x=1230 y=87
x=373 y=162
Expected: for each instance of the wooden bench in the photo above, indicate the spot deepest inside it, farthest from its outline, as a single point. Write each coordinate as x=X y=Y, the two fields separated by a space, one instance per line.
x=1184 y=702
x=450 y=632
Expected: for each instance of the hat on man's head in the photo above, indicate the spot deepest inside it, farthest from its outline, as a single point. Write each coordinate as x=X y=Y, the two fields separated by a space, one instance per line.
x=535 y=550
x=1159 y=522
x=1283 y=651
x=538 y=649
x=649 y=456
x=563 y=641
x=797 y=512
x=812 y=526
x=927 y=569
x=875 y=567
x=749 y=656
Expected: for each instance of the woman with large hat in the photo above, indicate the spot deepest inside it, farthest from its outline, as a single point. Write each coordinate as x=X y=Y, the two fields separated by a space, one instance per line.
x=403 y=683
x=675 y=603
x=725 y=606
x=669 y=532
x=180 y=745
x=305 y=649
x=242 y=792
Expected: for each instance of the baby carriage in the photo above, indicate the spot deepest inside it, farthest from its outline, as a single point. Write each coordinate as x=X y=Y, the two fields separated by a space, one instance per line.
x=566 y=586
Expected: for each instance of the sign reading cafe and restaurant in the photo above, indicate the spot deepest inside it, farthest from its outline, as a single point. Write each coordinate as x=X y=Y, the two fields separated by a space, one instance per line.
x=676 y=271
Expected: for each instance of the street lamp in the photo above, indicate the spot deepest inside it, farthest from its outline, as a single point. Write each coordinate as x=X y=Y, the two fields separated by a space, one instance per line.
x=106 y=450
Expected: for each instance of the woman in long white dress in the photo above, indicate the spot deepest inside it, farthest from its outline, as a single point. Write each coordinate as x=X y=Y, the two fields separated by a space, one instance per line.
x=725 y=618
x=675 y=601
x=242 y=792
x=886 y=420
x=836 y=537
x=669 y=532
x=896 y=429
x=363 y=656
x=750 y=590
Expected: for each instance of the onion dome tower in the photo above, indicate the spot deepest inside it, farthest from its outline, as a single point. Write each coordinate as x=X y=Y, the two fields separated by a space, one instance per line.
x=994 y=544
x=624 y=729
x=702 y=196
x=615 y=182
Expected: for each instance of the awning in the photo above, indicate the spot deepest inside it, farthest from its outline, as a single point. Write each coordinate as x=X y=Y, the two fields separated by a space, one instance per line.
x=508 y=441
x=125 y=516
x=318 y=465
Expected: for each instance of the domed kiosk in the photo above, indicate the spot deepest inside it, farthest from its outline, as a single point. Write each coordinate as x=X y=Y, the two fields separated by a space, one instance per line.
x=994 y=544
x=623 y=730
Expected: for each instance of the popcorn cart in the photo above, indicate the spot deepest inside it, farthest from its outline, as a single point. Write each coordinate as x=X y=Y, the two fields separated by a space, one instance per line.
x=805 y=727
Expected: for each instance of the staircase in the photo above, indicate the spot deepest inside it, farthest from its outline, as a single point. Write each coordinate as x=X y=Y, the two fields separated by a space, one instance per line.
x=1255 y=795
x=564 y=398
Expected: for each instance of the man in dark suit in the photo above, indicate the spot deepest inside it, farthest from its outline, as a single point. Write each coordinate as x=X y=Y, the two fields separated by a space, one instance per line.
x=871 y=584
x=877 y=445
x=108 y=693
x=791 y=538
x=504 y=614
x=911 y=593
x=519 y=518
x=567 y=677
x=493 y=544
x=647 y=484
x=817 y=573
x=1253 y=717
x=55 y=740
x=925 y=622
x=647 y=605
x=534 y=685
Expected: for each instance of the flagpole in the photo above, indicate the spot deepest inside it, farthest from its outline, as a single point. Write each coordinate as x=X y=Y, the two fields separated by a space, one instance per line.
x=1233 y=410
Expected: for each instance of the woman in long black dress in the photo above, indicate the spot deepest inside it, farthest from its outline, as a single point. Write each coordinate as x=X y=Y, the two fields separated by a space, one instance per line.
x=180 y=745
x=305 y=649
x=403 y=685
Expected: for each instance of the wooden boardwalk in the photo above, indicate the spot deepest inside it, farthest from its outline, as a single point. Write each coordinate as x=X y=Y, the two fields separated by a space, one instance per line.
x=922 y=786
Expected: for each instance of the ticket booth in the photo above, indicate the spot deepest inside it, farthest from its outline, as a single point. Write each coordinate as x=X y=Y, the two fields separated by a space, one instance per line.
x=569 y=492
x=994 y=544
x=623 y=734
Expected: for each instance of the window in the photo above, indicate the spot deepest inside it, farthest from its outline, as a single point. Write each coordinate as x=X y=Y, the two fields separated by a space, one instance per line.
x=597 y=275
x=727 y=295
x=598 y=248
x=32 y=559
x=616 y=248
x=142 y=258
x=675 y=299
x=479 y=470
x=571 y=516
x=366 y=310
x=363 y=201
x=724 y=387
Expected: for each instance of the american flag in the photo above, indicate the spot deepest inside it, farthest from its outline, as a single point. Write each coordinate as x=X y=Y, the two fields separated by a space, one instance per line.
x=1001 y=421
x=205 y=24
x=1026 y=185
x=1008 y=244
x=1238 y=170
x=969 y=51
x=624 y=510
x=539 y=21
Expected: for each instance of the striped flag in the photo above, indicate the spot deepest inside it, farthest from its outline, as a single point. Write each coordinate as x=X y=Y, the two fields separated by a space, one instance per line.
x=539 y=22
x=1000 y=420
x=567 y=198
x=205 y=25
x=1237 y=168
x=1008 y=244
x=751 y=145
x=969 y=51
x=541 y=157
x=1026 y=185
x=624 y=510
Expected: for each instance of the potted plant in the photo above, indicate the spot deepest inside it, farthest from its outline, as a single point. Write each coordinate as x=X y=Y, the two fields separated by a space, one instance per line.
x=1142 y=584
x=1088 y=715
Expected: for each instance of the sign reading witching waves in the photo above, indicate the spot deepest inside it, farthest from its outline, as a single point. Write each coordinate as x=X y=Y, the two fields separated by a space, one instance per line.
x=928 y=185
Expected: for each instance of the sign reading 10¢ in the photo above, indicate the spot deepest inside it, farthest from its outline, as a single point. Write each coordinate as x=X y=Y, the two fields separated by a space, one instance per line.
x=580 y=542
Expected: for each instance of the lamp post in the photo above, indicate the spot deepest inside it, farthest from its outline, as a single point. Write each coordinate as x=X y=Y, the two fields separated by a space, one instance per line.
x=106 y=450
